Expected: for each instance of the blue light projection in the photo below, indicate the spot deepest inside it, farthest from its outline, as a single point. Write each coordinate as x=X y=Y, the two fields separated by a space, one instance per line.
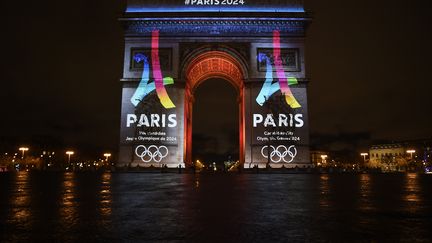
x=139 y=57
x=225 y=19
x=213 y=9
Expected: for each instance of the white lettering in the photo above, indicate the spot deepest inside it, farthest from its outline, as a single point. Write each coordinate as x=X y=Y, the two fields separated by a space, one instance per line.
x=156 y=120
x=269 y=121
x=299 y=120
x=283 y=120
x=130 y=119
x=280 y=120
x=143 y=121
x=172 y=120
x=257 y=118
x=214 y=2
x=163 y=120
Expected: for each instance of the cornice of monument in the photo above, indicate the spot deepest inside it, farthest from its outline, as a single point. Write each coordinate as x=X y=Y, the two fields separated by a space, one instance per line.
x=215 y=26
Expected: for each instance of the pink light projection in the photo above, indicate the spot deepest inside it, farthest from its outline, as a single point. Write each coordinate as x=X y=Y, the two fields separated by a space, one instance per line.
x=157 y=73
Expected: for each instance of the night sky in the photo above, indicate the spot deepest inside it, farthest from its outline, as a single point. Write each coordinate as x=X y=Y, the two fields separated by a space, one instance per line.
x=368 y=62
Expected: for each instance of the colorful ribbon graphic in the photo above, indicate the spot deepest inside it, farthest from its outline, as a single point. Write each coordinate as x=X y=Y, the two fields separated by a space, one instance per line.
x=144 y=87
x=269 y=88
x=157 y=73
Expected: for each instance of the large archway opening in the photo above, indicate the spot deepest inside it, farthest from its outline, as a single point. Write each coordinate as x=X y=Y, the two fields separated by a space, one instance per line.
x=215 y=65
x=215 y=133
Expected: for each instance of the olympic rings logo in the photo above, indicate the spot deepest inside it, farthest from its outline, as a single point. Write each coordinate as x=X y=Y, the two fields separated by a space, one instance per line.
x=279 y=153
x=153 y=152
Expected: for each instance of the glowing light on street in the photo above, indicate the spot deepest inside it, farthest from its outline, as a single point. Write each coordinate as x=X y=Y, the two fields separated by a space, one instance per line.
x=107 y=155
x=411 y=152
x=364 y=156
x=23 y=150
x=324 y=157
x=69 y=153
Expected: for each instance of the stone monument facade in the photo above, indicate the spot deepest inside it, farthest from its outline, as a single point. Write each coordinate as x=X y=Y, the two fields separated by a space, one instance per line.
x=172 y=46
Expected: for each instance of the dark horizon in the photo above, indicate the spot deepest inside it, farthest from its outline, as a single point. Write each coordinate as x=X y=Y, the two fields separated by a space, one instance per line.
x=367 y=63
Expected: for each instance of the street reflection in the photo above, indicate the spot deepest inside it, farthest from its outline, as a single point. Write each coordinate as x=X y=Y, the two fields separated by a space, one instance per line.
x=138 y=207
x=324 y=189
x=197 y=181
x=365 y=192
x=105 y=196
x=20 y=199
x=412 y=191
x=68 y=206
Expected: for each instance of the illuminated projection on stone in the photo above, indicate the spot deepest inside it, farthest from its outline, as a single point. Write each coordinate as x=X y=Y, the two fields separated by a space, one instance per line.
x=173 y=46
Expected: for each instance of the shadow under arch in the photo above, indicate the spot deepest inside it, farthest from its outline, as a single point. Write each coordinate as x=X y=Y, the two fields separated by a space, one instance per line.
x=212 y=64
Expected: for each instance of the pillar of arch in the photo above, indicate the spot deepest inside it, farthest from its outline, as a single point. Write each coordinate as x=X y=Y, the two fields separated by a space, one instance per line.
x=212 y=64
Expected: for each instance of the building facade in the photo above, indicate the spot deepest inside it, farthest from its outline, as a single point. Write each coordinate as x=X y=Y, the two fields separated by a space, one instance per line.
x=388 y=157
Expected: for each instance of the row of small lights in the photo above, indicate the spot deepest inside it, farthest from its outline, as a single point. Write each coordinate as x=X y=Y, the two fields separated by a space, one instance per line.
x=69 y=153
x=324 y=156
x=411 y=152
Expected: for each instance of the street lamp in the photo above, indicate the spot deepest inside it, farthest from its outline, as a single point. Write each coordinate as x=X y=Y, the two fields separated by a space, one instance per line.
x=23 y=150
x=411 y=151
x=69 y=153
x=323 y=158
x=364 y=156
x=107 y=155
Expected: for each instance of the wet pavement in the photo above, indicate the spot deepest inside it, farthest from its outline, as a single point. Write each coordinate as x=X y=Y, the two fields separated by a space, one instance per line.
x=143 y=207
